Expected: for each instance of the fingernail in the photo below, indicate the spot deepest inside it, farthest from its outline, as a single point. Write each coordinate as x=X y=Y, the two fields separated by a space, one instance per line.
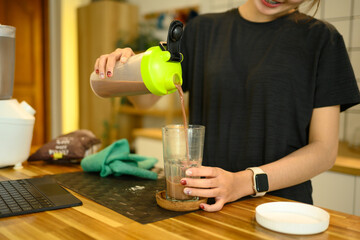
x=97 y=71
x=188 y=172
x=183 y=182
x=102 y=75
x=187 y=191
x=123 y=59
x=202 y=206
x=108 y=73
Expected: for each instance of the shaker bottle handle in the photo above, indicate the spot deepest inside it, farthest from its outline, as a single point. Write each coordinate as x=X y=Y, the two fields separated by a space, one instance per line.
x=173 y=41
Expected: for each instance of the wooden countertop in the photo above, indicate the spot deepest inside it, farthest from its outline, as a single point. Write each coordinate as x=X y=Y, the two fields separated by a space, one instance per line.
x=93 y=221
x=348 y=160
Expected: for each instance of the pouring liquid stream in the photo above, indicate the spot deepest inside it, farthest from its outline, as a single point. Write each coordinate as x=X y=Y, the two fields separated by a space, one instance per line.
x=181 y=95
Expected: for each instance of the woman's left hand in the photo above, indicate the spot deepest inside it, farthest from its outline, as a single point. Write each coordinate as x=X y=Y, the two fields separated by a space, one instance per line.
x=222 y=185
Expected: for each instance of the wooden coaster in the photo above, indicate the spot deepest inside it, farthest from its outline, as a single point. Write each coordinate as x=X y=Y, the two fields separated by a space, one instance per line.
x=178 y=206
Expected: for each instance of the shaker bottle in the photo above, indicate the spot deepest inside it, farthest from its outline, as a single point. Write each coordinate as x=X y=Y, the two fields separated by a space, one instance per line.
x=155 y=71
x=7 y=61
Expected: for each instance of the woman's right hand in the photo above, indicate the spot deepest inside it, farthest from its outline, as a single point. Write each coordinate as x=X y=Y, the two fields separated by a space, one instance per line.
x=105 y=63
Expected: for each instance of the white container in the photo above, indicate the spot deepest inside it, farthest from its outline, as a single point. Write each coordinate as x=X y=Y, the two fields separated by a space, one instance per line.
x=16 y=130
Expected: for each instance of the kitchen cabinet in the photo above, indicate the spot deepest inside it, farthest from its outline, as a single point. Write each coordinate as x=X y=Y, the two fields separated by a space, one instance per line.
x=339 y=188
x=336 y=191
x=148 y=142
x=357 y=196
x=101 y=24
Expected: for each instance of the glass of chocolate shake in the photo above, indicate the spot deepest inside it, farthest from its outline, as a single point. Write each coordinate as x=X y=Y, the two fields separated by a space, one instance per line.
x=182 y=149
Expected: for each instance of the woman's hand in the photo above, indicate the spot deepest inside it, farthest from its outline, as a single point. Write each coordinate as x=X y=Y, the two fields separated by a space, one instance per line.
x=222 y=185
x=105 y=63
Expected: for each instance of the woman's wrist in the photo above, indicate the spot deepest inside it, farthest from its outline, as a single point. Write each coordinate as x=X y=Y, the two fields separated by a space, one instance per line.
x=244 y=182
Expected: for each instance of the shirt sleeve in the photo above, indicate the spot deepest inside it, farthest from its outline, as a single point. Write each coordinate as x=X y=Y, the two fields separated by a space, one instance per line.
x=185 y=64
x=335 y=81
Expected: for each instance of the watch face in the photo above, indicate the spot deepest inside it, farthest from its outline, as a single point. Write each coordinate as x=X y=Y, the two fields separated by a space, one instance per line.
x=262 y=184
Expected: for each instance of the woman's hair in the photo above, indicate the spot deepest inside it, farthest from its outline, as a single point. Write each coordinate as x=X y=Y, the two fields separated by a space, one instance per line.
x=310 y=4
x=313 y=3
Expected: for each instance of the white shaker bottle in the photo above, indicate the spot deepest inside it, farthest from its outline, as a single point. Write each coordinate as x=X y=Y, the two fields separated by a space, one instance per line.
x=155 y=71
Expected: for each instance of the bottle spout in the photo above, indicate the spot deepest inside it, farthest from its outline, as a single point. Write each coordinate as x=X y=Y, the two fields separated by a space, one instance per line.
x=172 y=82
x=177 y=79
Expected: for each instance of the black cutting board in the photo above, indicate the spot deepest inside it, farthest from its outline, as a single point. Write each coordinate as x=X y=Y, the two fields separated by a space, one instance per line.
x=130 y=196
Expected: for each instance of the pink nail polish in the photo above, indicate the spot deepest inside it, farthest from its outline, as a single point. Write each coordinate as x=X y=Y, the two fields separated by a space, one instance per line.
x=187 y=191
x=183 y=182
x=108 y=73
x=202 y=206
x=97 y=71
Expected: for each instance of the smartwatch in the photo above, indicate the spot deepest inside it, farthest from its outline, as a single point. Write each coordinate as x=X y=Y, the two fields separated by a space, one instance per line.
x=261 y=183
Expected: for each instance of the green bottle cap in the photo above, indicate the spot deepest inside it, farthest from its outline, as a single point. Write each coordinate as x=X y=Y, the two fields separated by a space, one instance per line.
x=159 y=74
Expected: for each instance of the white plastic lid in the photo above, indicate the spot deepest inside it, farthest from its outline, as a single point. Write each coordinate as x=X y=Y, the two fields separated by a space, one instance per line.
x=12 y=112
x=292 y=217
x=7 y=31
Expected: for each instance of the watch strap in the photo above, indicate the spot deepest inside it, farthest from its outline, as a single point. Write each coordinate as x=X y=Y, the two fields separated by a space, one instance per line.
x=257 y=171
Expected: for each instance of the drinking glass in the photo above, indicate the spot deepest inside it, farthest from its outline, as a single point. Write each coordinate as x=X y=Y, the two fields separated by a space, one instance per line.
x=182 y=149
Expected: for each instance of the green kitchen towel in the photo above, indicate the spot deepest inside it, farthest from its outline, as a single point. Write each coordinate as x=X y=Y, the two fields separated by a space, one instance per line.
x=116 y=159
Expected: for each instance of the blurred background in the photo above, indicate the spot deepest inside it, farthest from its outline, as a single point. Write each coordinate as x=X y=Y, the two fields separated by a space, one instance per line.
x=58 y=41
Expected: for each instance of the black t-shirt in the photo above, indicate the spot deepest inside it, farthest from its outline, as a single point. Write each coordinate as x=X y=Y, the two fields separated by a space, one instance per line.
x=254 y=86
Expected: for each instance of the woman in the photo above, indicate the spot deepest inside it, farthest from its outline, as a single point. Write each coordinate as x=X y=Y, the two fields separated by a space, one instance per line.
x=268 y=83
